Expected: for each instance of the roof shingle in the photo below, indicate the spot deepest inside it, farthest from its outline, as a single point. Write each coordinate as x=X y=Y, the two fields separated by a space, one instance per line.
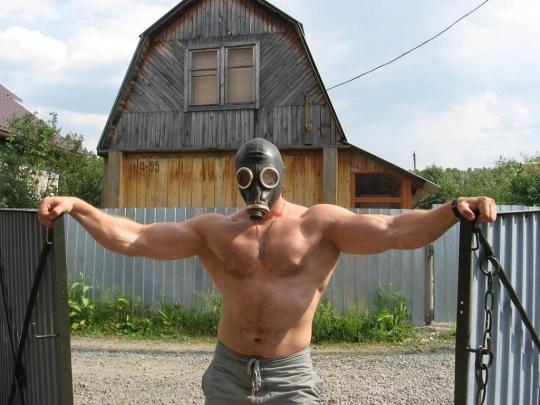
x=10 y=108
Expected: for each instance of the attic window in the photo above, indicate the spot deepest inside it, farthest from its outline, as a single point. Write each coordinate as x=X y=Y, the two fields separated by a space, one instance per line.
x=224 y=77
x=240 y=75
x=204 y=77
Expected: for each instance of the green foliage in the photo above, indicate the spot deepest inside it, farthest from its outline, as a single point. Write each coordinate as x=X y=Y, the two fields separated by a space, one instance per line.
x=81 y=307
x=122 y=316
x=38 y=161
x=508 y=182
x=525 y=185
x=389 y=322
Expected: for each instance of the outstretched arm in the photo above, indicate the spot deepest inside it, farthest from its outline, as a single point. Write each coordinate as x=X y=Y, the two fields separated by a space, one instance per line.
x=122 y=235
x=367 y=234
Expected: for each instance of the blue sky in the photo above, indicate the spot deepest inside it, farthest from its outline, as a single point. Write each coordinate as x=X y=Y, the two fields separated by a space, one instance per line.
x=463 y=100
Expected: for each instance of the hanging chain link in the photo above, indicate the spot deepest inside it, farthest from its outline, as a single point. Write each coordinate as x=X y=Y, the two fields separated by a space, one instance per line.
x=483 y=353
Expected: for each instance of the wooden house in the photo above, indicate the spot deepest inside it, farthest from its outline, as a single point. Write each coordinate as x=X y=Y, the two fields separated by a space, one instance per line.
x=211 y=74
x=10 y=108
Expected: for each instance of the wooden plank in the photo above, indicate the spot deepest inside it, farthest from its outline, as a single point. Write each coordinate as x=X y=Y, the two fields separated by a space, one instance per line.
x=130 y=181
x=197 y=183
x=186 y=174
x=229 y=182
x=288 y=187
x=141 y=184
x=219 y=172
x=344 y=179
x=115 y=182
x=173 y=182
x=299 y=176
x=309 y=180
x=151 y=182
x=209 y=180
x=318 y=191
x=162 y=182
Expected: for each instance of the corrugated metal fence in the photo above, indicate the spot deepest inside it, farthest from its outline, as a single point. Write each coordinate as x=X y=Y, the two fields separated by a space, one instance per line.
x=354 y=284
x=514 y=376
x=446 y=252
x=46 y=360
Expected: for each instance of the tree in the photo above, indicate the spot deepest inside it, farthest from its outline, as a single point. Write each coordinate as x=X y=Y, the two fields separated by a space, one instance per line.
x=37 y=161
x=508 y=182
x=525 y=185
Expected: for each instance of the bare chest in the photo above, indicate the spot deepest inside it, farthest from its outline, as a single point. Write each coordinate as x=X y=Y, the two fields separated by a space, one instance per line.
x=277 y=251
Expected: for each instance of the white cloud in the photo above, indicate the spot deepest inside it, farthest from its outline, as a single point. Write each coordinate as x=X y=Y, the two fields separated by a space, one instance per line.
x=474 y=132
x=497 y=43
x=30 y=49
x=29 y=10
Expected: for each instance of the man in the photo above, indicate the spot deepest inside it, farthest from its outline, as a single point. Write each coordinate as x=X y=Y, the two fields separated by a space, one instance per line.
x=271 y=261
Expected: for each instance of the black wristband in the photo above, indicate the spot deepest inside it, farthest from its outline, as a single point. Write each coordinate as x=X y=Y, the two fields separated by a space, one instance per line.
x=455 y=210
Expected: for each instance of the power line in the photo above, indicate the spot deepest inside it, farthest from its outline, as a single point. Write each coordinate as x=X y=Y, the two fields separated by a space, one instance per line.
x=410 y=50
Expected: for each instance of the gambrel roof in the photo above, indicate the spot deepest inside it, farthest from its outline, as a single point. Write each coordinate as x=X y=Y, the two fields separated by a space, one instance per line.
x=172 y=16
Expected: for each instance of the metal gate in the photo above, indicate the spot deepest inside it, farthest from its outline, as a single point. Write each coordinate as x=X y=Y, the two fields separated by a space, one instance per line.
x=497 y=353
x=45 y=375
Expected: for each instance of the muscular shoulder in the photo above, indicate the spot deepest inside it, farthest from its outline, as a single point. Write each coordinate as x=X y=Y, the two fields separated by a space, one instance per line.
x=207 y=223
x=320 y=217
x=326 y=211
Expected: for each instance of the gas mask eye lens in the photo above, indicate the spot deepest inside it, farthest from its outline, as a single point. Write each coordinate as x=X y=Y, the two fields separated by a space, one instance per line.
x=269 y=177
x=244 y=177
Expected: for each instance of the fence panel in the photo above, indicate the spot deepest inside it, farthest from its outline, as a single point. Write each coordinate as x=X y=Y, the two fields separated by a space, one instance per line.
x=514 y=373
x=446 y=251
x=46 y=360
x=353 y=285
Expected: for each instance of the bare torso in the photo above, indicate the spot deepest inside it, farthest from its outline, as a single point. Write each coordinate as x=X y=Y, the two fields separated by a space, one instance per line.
x=268 y=301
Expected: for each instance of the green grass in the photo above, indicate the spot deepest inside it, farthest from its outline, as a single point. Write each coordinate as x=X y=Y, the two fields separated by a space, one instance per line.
x=120 y=316
x=389 y=322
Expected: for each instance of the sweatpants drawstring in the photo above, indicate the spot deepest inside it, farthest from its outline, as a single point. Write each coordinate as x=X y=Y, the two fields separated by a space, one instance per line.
x=255 y=373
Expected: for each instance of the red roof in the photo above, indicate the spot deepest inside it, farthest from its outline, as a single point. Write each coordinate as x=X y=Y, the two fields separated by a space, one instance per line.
x=10 y=108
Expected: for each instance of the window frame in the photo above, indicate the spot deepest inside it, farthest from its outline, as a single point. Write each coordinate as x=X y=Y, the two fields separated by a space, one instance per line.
x=374 y=199
x=222 y=50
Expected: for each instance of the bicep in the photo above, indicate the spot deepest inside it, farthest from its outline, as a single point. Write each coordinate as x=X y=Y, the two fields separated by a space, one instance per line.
x=169 y=240
x=362 y=234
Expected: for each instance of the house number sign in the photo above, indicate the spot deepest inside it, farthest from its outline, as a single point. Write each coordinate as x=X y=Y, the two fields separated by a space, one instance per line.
x=150 y=165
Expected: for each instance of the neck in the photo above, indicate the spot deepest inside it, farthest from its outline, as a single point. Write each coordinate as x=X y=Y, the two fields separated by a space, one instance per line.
x=278 y=208
x=275 y=212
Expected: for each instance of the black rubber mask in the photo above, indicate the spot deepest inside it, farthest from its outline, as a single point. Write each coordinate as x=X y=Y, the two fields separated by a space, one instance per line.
x=259 y=176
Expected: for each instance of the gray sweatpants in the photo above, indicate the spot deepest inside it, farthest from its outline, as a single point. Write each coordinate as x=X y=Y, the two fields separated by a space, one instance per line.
x=233 y=378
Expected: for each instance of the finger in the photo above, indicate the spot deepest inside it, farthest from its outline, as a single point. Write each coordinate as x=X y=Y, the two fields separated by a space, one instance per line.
x=44 y=206
x=468 y=213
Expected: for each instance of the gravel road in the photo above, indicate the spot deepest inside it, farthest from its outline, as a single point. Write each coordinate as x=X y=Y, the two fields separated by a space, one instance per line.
x=107 y=371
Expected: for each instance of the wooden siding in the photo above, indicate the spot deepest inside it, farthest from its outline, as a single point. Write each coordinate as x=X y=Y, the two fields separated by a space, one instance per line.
x=222 y=18
x=208 y=180
x=282 y=126
x=152 y=114
x=351 y=161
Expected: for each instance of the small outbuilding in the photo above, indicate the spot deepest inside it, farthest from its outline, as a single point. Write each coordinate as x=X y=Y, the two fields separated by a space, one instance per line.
x=211 y=74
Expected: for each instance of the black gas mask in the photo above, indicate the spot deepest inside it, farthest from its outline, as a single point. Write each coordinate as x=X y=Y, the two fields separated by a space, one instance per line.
x=259 y=176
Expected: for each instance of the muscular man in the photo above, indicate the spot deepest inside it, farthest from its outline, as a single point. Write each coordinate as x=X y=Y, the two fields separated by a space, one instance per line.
x=271 y=261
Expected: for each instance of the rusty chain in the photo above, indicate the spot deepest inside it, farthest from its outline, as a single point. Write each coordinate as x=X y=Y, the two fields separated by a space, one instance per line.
x=489 y=265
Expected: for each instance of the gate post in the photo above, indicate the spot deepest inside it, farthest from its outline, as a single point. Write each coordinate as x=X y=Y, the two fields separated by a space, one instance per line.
x=463 y=313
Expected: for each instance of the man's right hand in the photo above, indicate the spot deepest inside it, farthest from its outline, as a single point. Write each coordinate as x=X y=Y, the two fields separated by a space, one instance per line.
x=51 y=208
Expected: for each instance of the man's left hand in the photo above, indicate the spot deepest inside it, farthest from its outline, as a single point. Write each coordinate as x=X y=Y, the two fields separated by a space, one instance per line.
x=481 y=208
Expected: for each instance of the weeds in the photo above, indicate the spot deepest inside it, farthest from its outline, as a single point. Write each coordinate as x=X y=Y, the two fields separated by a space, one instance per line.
x=389 y=322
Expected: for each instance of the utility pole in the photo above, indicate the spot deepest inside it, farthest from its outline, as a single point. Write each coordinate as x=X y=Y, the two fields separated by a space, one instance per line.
x=414 y=160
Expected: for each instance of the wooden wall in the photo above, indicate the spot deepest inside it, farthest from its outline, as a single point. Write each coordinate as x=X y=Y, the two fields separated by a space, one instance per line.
x=207 y=180
x=152 y=113
x=352 y=161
